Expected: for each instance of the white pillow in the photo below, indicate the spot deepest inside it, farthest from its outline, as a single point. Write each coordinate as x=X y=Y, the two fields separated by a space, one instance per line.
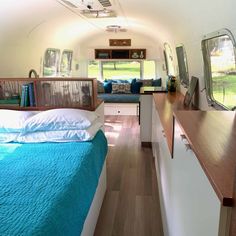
x=60 y=135
x=60 y=119
x=8 y=137
x=13 y=121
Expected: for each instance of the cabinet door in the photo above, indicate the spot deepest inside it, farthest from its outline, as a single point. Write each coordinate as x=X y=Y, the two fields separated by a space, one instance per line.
x=195 y=206
x=154 y=130
x=163 y=168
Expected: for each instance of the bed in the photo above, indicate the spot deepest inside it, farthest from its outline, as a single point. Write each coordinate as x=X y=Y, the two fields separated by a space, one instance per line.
x=51 y=188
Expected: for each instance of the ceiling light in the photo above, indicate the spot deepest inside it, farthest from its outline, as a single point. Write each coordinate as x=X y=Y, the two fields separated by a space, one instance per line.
x=98 y=13
x=115 y=28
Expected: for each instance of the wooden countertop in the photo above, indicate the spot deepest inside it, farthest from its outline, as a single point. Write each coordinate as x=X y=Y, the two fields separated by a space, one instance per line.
x=212 y=137
x=166 y=103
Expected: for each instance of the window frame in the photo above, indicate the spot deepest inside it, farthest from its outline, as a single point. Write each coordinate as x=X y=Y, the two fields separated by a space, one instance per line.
x=70 y=63
x=183 y=81
x=143 y=68
x=168 y=56
x=58 y=61
x=101 y=62
x=207 y=65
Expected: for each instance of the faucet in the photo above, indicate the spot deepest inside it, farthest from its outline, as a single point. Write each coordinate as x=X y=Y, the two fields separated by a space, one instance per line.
x=32 y=71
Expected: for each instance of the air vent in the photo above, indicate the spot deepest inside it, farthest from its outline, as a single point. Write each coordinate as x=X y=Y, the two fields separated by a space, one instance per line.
x=70 y=3
x=105 y=3
x=91 y=8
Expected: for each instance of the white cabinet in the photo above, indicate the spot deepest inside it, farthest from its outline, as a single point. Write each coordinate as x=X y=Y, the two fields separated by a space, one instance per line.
x=146 y=118
x=189 y=204
x=123 y=109
x=196 y=208
x=163 y=168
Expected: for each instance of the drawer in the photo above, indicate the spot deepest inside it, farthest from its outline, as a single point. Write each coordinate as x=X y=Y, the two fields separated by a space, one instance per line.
x=121 y=109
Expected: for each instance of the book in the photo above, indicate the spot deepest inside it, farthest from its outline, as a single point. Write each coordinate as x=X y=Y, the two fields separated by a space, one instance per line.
x=9 y=102
x=31 y=94
x=24 y=96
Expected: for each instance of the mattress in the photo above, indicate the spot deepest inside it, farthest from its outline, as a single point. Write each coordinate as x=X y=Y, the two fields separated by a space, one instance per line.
x=47 y=188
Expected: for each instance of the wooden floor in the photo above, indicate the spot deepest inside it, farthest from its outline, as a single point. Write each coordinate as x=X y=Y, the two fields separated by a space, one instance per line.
x=131 y=204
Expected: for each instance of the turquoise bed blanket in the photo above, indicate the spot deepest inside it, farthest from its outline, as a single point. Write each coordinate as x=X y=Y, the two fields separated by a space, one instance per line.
x=47 y=188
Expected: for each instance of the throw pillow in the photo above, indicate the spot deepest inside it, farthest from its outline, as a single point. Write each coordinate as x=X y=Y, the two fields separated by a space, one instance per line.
x=156 y=82
x=135 y=86
x=107 y=86
x=146 y=82
x=100 y=87
x=120 y=88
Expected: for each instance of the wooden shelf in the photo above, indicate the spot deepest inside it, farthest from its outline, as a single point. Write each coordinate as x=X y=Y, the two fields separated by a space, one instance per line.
x=48 y=93
x=166 y=104
x=120 y=54
x=119 y=42
x=211 y=135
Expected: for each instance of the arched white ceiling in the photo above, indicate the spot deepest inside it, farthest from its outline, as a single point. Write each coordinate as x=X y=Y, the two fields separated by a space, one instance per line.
x=160 y=19
x=163 y=20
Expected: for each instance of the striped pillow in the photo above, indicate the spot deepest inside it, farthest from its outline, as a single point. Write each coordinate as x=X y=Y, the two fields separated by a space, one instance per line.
x=146 y=82
x=121 y=88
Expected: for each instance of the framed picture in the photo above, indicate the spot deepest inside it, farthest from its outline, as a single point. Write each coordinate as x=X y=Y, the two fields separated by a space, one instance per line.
x=191 y=90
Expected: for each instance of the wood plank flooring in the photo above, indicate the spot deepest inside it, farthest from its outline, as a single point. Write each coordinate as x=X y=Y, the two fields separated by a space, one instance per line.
x=131 y=204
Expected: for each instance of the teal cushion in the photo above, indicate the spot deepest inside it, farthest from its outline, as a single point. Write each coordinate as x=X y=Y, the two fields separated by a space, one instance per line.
x=107 y=86
x=135 y=86
x=157 y=82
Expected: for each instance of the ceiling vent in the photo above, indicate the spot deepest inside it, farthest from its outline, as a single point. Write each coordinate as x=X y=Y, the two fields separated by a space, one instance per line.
x=105 y=3
x=115 y=28
x=88 y=4
x=91 y=8
x=69 y=3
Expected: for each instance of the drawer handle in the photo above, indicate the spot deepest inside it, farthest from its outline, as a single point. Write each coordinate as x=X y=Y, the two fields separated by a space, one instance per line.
x=163 y=133
x=187 y=146
x=183 y=137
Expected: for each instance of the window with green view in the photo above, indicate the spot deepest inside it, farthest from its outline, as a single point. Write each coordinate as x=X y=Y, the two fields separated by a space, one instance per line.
x=220 y=69
x=93 y=69
x=149 y=69
x=66 y=63
x=51 y=62
x=120 y=69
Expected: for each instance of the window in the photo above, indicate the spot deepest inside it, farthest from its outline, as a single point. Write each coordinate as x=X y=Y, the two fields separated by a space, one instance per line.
x=169 y=59
x=120 y=69
x=51 y=62
x=149 y=69
x=220 y=70
x=182 y=64
x=66 y=63
x=93 y=69
x=123 y=69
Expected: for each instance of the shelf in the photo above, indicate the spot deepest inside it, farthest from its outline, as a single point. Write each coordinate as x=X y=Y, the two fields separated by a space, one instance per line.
x=48 y=93
x=120 y=54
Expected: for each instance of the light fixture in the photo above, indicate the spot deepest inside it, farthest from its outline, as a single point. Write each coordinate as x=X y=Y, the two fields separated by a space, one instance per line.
x=115 y=28
x=104 y=13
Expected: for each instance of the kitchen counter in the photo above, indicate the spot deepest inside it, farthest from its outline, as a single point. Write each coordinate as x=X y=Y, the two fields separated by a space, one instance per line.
x=212 y=137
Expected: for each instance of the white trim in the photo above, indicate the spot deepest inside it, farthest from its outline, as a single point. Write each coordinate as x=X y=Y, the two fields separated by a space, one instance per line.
x=93 y=214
